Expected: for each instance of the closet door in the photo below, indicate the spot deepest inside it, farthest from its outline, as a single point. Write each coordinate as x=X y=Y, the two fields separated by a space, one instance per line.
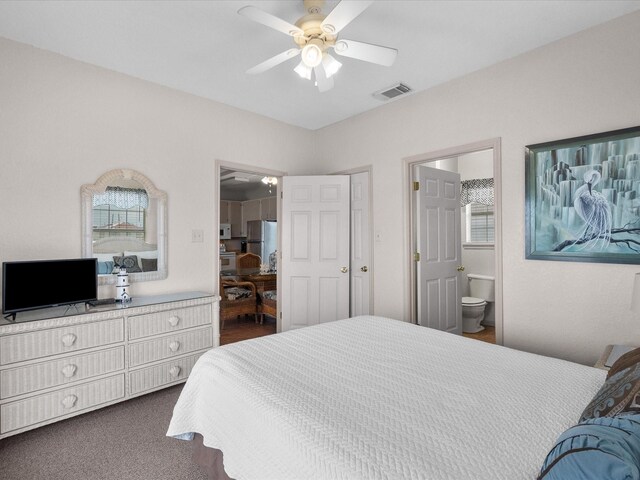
x=315 y=250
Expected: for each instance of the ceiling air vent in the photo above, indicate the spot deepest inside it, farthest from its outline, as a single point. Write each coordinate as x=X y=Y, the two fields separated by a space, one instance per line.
x=392 y=92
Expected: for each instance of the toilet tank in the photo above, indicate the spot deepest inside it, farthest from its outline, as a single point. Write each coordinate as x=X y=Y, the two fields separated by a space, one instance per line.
x=482 y=286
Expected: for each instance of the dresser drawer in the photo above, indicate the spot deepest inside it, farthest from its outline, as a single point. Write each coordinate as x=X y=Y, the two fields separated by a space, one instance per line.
x=42 y=408
x=170 y=346
x=43 y=343
x=31 y=378
x=167 y=321
x=162 y=374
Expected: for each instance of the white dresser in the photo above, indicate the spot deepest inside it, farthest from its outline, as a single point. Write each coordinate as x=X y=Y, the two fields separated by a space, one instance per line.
x=54 y=365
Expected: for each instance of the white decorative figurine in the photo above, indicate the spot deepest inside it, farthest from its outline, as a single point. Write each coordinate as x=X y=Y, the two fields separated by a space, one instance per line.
x=122 y=286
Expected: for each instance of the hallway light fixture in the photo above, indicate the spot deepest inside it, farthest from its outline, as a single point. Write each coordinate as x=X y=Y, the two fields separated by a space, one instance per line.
x=270 y=182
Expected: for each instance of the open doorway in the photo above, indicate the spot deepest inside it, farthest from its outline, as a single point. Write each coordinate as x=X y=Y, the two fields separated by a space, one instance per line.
x=248 y=239
x=477 y=167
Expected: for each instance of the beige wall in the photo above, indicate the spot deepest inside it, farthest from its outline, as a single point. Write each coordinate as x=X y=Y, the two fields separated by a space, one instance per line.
x=63 y=123
x=584 y=84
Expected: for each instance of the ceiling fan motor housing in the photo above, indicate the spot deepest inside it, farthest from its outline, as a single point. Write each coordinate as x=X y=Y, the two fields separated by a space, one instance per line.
x=313 y=32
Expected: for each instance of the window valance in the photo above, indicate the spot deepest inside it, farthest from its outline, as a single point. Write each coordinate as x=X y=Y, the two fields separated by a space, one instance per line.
x=478 y=190
x=122 y=197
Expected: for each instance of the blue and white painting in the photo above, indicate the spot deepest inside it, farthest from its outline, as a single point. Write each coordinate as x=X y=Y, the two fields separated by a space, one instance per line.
x=583 y=198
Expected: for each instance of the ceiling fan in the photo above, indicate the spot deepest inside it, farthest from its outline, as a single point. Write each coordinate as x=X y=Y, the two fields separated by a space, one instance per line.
x=315 y=34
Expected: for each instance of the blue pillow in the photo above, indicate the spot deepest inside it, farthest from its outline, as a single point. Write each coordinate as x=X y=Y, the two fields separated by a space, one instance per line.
x=105 y=268
x=603 y=448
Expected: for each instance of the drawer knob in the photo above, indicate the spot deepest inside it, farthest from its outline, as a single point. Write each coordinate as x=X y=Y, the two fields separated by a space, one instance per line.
x=68 y=339
x=69 y=370
x=173 y=320
x=174 y=346
x=175 y=371
x=69 y=401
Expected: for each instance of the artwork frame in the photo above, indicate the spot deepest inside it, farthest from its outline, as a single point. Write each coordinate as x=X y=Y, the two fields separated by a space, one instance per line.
x=582 y=198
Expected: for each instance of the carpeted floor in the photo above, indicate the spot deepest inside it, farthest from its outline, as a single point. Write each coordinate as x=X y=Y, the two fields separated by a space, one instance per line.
x=125 y=441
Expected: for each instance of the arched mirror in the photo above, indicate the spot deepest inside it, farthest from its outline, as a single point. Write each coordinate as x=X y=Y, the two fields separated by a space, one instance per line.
x=124 y=224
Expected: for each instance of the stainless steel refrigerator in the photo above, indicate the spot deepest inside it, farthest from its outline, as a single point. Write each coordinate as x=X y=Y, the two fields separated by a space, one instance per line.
x=262 y=238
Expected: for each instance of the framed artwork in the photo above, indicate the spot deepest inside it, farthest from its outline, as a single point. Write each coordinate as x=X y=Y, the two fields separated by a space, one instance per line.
x=582 y=198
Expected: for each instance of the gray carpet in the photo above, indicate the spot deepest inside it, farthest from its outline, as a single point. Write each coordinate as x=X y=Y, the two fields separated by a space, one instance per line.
x=125 y=441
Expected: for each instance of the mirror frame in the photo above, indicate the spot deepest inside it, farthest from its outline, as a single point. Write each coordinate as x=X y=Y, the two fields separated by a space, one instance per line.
x=87 y=191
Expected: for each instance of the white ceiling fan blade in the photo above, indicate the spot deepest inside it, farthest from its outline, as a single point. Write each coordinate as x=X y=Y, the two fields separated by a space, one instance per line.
x=366 y=51
x=273 y=61
x=322 y=81
x=343 y=14
x=260 y=16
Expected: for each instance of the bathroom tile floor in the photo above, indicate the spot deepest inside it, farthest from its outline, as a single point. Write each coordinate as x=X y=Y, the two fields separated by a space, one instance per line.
x=487 y=335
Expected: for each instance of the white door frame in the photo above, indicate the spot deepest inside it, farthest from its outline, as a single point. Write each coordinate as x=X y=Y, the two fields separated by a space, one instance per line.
x=241 y=167
x=410 y=247
x=367 y=169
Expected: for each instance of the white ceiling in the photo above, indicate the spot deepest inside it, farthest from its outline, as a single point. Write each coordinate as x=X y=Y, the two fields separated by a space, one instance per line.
x=205 y=47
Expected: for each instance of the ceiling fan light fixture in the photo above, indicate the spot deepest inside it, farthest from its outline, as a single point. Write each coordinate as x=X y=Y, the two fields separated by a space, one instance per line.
x=303 y=71
x=311 y=55
x=341 y=47
x=328 y=28
x=331 y=65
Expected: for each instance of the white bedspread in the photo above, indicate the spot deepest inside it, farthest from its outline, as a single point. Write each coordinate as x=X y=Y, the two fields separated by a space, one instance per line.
x=373 y=398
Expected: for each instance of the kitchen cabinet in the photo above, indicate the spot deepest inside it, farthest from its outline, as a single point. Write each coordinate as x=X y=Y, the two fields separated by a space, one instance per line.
x=231 y=212
x=268 y=208
x=224 y=211
x=239 y=213
x=235 y=218
x=250 y=211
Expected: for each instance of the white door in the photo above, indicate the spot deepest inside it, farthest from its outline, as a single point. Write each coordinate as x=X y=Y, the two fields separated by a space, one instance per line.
x=438 y=242
x=315 y=250
x=360 y=245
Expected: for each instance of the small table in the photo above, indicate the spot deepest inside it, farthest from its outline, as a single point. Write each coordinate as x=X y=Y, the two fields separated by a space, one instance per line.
x=611 y=354
x=262 y=281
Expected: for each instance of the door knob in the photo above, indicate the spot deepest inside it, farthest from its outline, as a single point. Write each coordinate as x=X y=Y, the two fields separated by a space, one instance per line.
x=460 y=268
x=344 y=269
x=364 y=269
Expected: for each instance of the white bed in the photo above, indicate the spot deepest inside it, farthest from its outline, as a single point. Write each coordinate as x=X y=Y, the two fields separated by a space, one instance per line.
x=374 y=398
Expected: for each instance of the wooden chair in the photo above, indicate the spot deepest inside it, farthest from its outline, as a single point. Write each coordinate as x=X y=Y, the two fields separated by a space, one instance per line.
x=248 y=260
x=233 y=308
x=268 y=304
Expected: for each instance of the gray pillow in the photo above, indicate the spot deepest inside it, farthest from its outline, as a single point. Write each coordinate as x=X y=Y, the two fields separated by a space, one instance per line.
x=149 y=264
x=130 y=263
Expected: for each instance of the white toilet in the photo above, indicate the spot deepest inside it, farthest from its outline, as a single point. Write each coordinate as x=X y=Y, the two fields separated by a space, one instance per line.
x=481 y=291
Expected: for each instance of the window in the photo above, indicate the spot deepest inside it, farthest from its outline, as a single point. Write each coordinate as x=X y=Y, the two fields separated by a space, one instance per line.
x=476 y=199
x=120 y=212
x=111 y=221
x=479 y=223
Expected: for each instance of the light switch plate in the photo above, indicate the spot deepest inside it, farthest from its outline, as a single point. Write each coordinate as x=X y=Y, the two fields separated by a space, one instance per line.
x=197 y=236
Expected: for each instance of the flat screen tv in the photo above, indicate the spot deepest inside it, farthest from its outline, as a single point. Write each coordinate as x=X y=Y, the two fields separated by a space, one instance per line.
x=37 y=284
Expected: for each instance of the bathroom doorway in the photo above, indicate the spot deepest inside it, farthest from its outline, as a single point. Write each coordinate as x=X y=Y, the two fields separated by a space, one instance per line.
x=478 y=167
